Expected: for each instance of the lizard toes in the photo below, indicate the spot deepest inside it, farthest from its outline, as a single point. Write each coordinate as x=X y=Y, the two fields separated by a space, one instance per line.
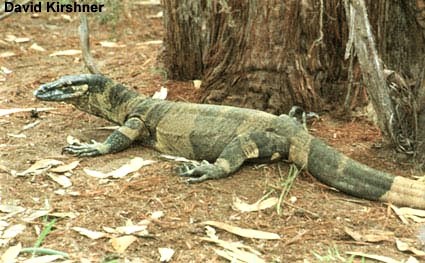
x=81 y=150
x=194 y=180
x=184 y=170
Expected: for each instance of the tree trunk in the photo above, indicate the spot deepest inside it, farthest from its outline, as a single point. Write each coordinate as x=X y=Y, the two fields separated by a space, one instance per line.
x=400 y=33
x=272 y=54
x=183 y=40
x=267 y=55
x=253 y=60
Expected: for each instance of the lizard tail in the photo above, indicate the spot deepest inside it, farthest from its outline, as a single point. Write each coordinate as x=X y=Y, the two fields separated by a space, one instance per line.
x=343 y=173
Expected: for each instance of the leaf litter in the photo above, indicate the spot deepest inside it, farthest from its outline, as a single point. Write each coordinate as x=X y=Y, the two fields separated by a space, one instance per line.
x=132 y=166
x=233 y=251
x=243 y=232
x=261 y=204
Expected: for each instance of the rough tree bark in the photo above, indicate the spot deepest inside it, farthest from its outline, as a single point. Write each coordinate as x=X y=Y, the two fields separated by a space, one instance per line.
x=400 y=33
x=273 y=54
x=184 y=40
x=253 y=60
x=259 y=54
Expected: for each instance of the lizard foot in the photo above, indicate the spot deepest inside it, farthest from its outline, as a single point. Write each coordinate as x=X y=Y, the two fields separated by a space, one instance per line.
x=199 y=173
x=86 y=149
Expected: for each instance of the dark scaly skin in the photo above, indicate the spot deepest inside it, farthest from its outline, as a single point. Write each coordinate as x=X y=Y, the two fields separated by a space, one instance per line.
x=226 y=136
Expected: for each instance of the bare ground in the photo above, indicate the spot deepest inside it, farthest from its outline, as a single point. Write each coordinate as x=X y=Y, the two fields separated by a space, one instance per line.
x=314 y=223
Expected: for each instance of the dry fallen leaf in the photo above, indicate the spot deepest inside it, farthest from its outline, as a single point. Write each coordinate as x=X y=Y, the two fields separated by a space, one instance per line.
x=72 y=140
x=412 y=260
x=13 y=231
x=12 y=38
x=36 y=214
x=30 y=125
x=3 y=225
x=62 y=180
x=127 y=230
x=210 y=231
x=261 y=204
x=65 y=168
x=4 y=169
x=157 y=214
x=151 y=42
x=197 y=83
x=11 y=254
x=233 y=251
x=40 y=166
x=399 y=214
x=71 y=215
x=7 y=54
x=111 y=44
x=239 y=256
x=375 y=257
x=67 y=18
x=370 y=235
x=120 y=244
x=69 y=52
x=166 y=254
x=36 y=47
x=417 y=215
x=94 y=173
x=65 y=192
x=19 y=136
x=134 y=165
x=243 y=232
x=5 y=70
x=148 y=2
x=89 y=233
x=161 y=94
x=404 y=247
x=11 y=209
x=233 y=246
x=109 y=230
x=160 y=14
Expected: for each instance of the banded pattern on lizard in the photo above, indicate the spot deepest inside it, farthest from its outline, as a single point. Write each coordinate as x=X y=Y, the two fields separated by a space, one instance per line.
x=226 y=136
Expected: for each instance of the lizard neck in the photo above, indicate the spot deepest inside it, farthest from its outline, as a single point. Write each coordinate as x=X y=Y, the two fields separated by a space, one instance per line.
x=110 y=102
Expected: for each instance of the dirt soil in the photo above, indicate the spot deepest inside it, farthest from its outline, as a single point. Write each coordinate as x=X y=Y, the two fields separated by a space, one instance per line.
x=313 y=216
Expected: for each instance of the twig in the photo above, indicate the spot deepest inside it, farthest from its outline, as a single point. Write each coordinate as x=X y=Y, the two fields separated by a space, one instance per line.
x=295 y=238
x=302 y=210
x=85 y=45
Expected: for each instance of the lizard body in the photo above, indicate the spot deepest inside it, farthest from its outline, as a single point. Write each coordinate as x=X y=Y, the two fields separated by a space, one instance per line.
x=225 y=135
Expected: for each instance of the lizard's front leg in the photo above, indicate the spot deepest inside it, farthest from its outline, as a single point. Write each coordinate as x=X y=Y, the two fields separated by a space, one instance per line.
x=119 y=140
x=250 y=145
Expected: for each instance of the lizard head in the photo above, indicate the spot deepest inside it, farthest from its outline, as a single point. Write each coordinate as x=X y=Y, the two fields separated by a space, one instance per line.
x=64 y=89
x=91 y=93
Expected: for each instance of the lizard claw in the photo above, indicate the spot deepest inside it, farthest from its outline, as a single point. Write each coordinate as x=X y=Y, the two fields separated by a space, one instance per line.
x=204 y=171
x=86 y=149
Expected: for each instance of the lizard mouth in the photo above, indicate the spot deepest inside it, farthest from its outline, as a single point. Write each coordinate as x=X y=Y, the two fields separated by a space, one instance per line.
x=53 y=92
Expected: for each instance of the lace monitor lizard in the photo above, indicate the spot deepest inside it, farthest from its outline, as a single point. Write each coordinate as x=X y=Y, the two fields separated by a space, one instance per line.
x=224 y=135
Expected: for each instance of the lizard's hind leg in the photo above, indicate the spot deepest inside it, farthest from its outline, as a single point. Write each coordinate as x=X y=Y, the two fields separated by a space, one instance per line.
x=250 y=145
